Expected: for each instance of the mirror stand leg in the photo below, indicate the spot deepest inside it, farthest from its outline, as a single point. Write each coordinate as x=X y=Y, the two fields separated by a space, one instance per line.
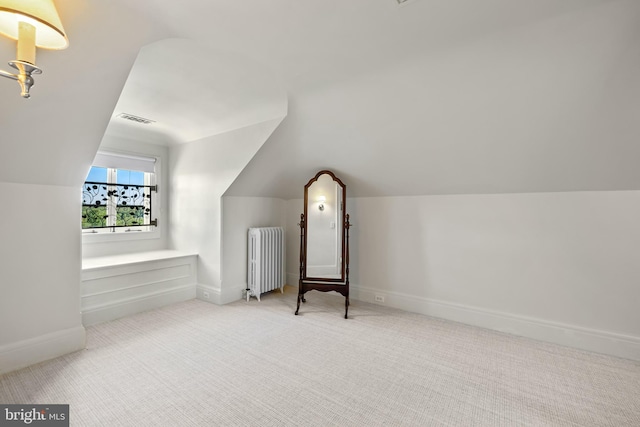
x=298 y=306
x=346 y=307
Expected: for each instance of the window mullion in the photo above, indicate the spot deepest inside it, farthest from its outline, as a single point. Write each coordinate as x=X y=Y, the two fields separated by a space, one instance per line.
x=112 y=203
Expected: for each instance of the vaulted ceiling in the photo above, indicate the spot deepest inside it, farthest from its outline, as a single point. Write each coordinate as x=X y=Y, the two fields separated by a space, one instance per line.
x=427 y=97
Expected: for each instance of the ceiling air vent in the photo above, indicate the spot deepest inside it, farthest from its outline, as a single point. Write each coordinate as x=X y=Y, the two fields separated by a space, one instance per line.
x=135 y=118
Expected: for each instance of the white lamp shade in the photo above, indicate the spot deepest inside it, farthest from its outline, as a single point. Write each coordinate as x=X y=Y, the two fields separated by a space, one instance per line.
x=42 y=14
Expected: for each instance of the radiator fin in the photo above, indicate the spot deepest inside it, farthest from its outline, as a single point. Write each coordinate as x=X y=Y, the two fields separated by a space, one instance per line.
x=265 y=256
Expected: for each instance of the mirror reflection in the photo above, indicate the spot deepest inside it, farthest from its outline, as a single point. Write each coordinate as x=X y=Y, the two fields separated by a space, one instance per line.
x=324 y=231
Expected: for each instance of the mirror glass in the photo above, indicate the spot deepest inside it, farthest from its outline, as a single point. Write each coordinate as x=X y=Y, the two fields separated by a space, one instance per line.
x=324 y=213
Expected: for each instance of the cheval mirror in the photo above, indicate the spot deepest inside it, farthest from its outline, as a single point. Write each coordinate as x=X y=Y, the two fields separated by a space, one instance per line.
x=324 y=238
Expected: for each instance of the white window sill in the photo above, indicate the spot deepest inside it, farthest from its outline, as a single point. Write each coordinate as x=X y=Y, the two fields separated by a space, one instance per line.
x=119 y=236
x=132 y=258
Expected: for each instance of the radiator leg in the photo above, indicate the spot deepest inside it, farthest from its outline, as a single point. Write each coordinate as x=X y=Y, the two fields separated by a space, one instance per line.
x=282 y=289
x=248 y=294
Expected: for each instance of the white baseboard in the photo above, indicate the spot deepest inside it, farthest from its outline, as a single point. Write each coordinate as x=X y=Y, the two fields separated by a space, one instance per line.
x=208 y=293
x=137 y=304
x=220 y=296
x=598 y=341
x=45 y=347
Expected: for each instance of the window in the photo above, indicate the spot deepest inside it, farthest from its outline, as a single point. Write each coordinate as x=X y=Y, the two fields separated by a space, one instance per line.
x=118 y=194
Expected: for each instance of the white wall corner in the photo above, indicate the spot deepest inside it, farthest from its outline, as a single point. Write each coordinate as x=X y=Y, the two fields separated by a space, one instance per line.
x=293 y=279
x=220 y=296
x=231 y=293
x=598 y=341
x=208 y=293
x=19 y=355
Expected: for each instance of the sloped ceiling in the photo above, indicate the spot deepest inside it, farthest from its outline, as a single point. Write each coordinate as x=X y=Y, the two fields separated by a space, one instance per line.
x=540 y=105
x=432 y=97
x=191 y=92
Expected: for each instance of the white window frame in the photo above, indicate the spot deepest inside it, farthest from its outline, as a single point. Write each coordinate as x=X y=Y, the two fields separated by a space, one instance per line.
x=95 y=235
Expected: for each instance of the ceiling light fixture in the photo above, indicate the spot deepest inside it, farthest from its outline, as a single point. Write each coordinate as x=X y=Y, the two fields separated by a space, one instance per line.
x=33 y=23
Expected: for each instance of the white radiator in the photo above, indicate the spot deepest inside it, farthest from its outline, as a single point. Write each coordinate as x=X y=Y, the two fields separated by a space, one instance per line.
x=265 y=267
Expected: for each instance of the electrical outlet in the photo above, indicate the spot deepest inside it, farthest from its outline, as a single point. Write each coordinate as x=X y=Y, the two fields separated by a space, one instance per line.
x=379 y=298
x=205 y=295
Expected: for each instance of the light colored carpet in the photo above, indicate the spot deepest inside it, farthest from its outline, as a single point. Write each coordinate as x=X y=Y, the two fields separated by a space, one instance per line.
x=256 y=364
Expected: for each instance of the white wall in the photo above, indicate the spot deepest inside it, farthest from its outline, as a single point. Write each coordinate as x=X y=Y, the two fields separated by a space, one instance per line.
x=562 y=267
x=40 y=279
x=520 y=109
x=200 y=172
x=293 y=210
x=239 y=214
x=94 y=245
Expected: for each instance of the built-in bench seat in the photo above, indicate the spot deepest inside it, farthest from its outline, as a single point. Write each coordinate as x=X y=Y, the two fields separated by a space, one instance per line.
x=121 y=285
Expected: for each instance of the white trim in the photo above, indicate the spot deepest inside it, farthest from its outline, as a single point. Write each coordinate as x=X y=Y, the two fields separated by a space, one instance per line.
x=221 y=296
x=139 y=285
x=598 y=341
x=106 y=235
x=128 y=306
x=120 y=260
x=39 y=349
x=113 y=160
x=214 y=293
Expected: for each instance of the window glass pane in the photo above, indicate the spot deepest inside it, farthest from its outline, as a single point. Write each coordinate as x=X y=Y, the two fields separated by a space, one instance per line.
x=94 y=199
x=130 y=177
x=94 y=216
x=93 y=192
x=129 y=215
x=130 y=209
x=97 y=174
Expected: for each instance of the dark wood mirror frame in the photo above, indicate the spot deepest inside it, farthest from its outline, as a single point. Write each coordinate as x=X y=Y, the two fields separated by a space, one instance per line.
x=324 y=284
